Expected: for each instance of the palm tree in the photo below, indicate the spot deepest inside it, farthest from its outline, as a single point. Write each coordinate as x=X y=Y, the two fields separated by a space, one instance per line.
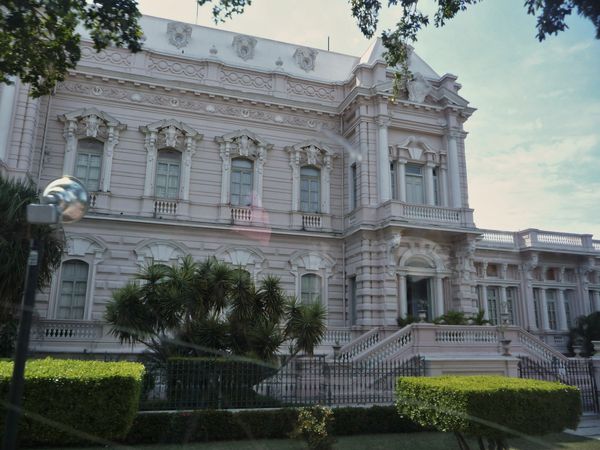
x=15 y=234
x=211 y=308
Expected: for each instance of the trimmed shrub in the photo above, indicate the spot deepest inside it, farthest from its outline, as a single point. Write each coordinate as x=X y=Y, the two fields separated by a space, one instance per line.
x=491 y=407
x=208 y=425
x=66 y=399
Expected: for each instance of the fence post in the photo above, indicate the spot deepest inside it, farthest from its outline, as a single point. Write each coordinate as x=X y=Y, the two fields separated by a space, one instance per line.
x=595 y=365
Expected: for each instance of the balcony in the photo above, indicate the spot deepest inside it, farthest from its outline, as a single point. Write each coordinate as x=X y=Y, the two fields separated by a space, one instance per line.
x=66 y=331
x=539 y=240
x=438 y=216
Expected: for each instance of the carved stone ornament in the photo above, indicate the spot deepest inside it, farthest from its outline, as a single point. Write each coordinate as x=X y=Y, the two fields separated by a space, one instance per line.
x=244 y=46
x=418 y=89
x=305 y=58
x=179 y=34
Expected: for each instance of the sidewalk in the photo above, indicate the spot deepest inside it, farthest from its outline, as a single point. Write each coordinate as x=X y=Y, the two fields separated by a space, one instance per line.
x=589 y=427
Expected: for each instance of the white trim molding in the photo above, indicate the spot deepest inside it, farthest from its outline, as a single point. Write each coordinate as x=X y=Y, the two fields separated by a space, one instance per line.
x=251 y=259
x=171 y=134
x=304 y=262
x=245 y=144
x=96 y=124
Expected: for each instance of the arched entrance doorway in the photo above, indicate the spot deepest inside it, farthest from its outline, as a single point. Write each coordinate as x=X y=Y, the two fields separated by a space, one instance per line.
x=420 y=287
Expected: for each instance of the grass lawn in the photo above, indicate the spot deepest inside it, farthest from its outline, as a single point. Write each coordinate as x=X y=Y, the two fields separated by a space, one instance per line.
x=408 y=441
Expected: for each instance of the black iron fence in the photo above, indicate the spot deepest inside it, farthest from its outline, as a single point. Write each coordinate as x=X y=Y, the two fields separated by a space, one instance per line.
x=221 y=384
x=574 y=372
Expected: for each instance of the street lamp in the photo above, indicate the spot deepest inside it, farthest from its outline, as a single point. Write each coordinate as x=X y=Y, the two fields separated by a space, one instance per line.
x=64 y=200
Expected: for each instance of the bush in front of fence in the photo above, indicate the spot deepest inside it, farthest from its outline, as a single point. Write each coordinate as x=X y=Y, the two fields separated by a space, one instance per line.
x=212 y=425
x=64 y=400
x=217 y=382
x=488 y=407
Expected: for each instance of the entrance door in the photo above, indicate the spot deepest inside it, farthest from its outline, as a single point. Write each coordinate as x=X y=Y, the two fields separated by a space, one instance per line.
x=418 y=295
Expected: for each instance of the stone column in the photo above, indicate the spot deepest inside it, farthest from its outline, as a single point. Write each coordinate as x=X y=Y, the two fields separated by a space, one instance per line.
x=503 y=303
x=384 y=181
x=7 y=104
x=596 y=296
x=225 y=154
x=150 y=164
x=70 y=148
x=544 y=310
x=439 y=296
x=455 y=197
x=295 y=165
x=362 y=169
x=325 y=184
x=443 y=186
x=401 y=179
x=484 y=300
x=402 y=301
x=562 y=313
x=429 y=189
x=259 y=167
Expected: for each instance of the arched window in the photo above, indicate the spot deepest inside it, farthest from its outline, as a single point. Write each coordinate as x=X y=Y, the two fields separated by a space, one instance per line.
x=88 y=163
x=310 y=189
x=168 y=173
x=73 y=290
x=310 y=288
x=241 y=182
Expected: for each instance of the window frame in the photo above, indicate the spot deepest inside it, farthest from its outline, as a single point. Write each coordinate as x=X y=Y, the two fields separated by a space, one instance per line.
x=314 y=295
x=413 y=176
x=248 y=170
x=308 y=206
x=98 y=152
x=61 y=281
x=169 y=161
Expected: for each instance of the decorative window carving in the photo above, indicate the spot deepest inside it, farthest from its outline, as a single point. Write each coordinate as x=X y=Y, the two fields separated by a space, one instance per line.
x=244 y=46
x=235 y=147
x=179 y=34
x=170 y=146
x=311 y=155
x=159 y=252
x=305 y=58
x=250 y=259
x=91 y=137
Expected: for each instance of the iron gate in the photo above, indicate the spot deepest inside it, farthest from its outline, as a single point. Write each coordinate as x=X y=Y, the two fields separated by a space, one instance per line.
x=574 y=372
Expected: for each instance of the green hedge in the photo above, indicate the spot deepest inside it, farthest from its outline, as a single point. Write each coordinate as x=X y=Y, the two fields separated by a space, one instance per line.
x=489 y=406
x=65 y=400
x=209 y=425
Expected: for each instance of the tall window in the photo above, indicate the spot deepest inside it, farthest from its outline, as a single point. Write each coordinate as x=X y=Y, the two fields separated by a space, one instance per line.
x=536 y=308
x=310 y=189
x=73 y=289
x=414 y=183
x=89 y=162
x=551 y=304
x=354 y=175
x=241 y=182
x=168 y=170
x=493 y=304
x=310 y=288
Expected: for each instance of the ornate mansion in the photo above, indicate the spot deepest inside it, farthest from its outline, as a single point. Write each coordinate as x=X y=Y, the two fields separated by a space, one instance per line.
x=285 y=160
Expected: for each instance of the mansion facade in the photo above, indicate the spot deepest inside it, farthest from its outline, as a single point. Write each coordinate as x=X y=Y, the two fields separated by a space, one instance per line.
x=288 y=161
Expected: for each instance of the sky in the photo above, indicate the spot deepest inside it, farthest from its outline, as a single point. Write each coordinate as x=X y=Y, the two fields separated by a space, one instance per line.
x=533 y=150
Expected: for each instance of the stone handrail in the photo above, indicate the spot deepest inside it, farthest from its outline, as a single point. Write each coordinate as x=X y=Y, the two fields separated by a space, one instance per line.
x=466 y=335
x=165 y=207
x=340 y=335
x=311 y=221
x=538 y=348
x=360 y=344
x=241 y=214
x=596 y=245
x=390 y=346
x=497 y=237
x=66 y=330
x=434 y=213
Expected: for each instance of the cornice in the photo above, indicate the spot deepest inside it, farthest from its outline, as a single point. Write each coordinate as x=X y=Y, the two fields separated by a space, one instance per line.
x=210 y=104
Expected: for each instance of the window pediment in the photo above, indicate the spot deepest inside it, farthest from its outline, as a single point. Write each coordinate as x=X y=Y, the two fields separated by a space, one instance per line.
x=243 y=143
x=170 y=133
x=91 y=123
x=160 y=251
x=413 y=148
x=311 y=153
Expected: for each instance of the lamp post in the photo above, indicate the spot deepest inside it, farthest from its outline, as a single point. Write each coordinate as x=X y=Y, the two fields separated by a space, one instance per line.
x=64 y=200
